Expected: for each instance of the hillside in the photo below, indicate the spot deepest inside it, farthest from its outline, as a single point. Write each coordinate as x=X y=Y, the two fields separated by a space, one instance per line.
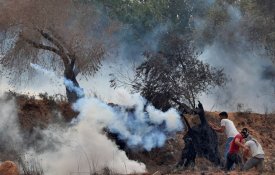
x=40 y=113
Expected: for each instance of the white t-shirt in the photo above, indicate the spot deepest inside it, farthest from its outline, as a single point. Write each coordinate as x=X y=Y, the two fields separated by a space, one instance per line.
x=230 y=129
x=255 y=148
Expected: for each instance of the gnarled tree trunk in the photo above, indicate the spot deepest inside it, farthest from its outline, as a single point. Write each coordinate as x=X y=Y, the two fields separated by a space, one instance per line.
x=204 y=140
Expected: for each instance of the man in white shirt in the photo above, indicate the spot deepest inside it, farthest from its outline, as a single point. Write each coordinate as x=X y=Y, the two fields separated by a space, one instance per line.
x=228 y=127
x=257 y=155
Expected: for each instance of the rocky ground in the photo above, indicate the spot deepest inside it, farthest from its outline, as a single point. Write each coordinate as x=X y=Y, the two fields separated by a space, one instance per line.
x=40 y=113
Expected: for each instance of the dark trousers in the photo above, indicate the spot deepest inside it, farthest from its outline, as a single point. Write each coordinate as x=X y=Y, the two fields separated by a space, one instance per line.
x=254 y=162
x=231 y=159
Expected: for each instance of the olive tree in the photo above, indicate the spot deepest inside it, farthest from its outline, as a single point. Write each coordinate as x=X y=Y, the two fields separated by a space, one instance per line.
x=175 y=76
x=65 y=35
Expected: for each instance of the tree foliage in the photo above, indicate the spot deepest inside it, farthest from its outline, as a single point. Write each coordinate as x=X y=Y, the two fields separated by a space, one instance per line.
x=259 y=19
x=143 y=19
x=176 y=76
x=161 y=78
x=143 y=16
x=66 y=36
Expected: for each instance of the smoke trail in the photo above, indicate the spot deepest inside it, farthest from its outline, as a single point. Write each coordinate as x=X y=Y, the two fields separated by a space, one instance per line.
x=52 y=83
x=42 y=70
x=70 y=85
x=137 y=125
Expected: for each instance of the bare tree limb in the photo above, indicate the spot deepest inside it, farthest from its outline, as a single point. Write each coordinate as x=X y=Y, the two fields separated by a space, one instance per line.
x=52 y=40
x=41 y=46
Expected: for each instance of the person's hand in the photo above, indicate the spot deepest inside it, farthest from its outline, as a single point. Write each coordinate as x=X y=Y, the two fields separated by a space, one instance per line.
x=246 y=150
x=212 y=125
x=245 y=153
x=244 y=158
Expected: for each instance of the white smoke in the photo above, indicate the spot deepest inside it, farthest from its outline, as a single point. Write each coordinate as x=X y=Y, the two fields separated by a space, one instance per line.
x=245 y=67
x=52 y=76
x=140 y=125
x=9 y=130
x=42 y=70
x=71 y=87
x=85 y=141
x=84 y=147
x=45 y=80
x=246 y=85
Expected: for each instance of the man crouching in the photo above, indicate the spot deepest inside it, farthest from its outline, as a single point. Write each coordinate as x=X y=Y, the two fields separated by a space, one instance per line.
x=253 y=148
x=233 y=154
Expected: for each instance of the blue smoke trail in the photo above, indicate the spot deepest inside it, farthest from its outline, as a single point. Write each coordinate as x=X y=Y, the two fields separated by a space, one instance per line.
x=43 y=70
x=137 y=127
x=71 y=87
x=68 y=83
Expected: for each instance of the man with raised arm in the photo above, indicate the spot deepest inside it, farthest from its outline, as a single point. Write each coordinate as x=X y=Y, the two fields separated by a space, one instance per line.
x=228 y=127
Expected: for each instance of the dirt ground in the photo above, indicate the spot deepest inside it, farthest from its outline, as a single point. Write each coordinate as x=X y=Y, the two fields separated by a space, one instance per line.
x=40 y=113
x=261 y=126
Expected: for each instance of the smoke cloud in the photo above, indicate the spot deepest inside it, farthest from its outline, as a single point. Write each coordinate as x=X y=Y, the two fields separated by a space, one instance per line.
x=10 y=138
x=246 y=85
x=248 y=70
x=86 y=141
x=84 y=147
x=140 y=126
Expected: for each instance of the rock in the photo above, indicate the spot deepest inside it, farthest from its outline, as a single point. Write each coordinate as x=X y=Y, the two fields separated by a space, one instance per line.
x=8 y=168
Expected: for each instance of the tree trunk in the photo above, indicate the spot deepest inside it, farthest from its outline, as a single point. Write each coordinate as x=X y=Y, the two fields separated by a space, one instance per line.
x=73 y=91
x=203 y=139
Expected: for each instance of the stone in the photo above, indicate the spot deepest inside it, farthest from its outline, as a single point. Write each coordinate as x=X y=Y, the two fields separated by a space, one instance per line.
x=8 y=168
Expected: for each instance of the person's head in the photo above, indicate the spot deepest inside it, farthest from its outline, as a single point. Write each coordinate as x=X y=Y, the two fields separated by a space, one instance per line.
x=223 y=115
x=245 y=133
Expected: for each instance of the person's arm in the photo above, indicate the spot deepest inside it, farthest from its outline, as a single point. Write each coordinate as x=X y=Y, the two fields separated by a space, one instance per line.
x=220 y=129
x=216 y=128
x=246 y=153
x=238 y=142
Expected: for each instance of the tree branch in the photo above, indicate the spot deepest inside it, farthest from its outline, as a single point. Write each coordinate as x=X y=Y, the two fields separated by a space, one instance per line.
x=65 y=57
x=41 y=46
x=60 y=40
x=52 y=40
x=182 y=105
